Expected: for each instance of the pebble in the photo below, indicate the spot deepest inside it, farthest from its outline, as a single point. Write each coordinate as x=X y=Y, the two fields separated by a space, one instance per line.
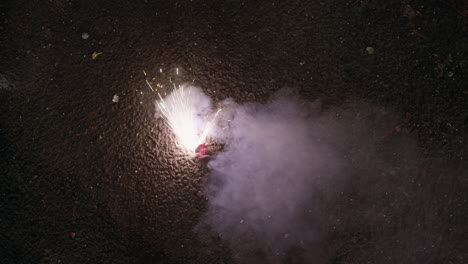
x=5 y=83
x=85 y=35
x=115 y=99
x=370 y=50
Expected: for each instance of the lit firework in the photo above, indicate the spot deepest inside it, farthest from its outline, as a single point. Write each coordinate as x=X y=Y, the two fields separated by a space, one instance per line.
x=180 y=111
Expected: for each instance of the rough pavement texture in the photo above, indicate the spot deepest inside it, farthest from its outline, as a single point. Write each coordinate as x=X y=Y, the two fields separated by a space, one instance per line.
x=74 y=161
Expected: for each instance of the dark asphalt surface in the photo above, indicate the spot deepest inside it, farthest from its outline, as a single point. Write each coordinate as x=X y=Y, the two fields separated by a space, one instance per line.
x=72 y=161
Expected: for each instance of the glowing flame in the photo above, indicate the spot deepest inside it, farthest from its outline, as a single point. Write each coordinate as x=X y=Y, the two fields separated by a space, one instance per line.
x=179 y=110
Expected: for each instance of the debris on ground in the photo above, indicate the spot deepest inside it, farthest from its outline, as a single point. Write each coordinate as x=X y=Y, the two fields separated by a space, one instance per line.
x=85 y=35
x=411 y=14
x=115 y=99
x=370 y=50
x=5 y=84
x=444 y=67
x=95 y=54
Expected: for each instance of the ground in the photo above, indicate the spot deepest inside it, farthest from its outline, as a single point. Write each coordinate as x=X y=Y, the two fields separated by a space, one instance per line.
x=88 y=180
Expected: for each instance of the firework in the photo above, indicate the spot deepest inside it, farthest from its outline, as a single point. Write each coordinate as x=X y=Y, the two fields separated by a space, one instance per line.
x=181 y=113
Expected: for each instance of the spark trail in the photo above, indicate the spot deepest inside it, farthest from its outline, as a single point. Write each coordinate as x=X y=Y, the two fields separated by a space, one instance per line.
x=181 y=110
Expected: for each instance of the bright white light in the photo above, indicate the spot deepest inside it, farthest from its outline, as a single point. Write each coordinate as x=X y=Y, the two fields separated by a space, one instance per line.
x=182 y=110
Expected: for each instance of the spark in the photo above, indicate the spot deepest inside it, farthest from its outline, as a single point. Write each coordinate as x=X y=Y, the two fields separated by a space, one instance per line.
x=208 y=128
x=150 y=86
x=178 y=109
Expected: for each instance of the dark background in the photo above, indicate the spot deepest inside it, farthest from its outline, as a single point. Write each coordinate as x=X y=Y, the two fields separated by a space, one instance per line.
x=74 y=161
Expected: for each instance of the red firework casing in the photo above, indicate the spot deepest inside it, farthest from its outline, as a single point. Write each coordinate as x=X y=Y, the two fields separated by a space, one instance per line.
x=201 y=150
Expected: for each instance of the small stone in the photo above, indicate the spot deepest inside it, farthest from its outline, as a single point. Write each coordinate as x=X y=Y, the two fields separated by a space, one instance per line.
x=85 y=35
x=370 y=50
x=115 y=99
x=450 y=74
x=5 y=84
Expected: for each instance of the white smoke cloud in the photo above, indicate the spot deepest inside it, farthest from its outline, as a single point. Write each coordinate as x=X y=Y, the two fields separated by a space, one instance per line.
x=271 y=189
x=265 y=186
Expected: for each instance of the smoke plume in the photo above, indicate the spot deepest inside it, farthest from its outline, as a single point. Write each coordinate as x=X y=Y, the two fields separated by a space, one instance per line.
x=283 y=164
